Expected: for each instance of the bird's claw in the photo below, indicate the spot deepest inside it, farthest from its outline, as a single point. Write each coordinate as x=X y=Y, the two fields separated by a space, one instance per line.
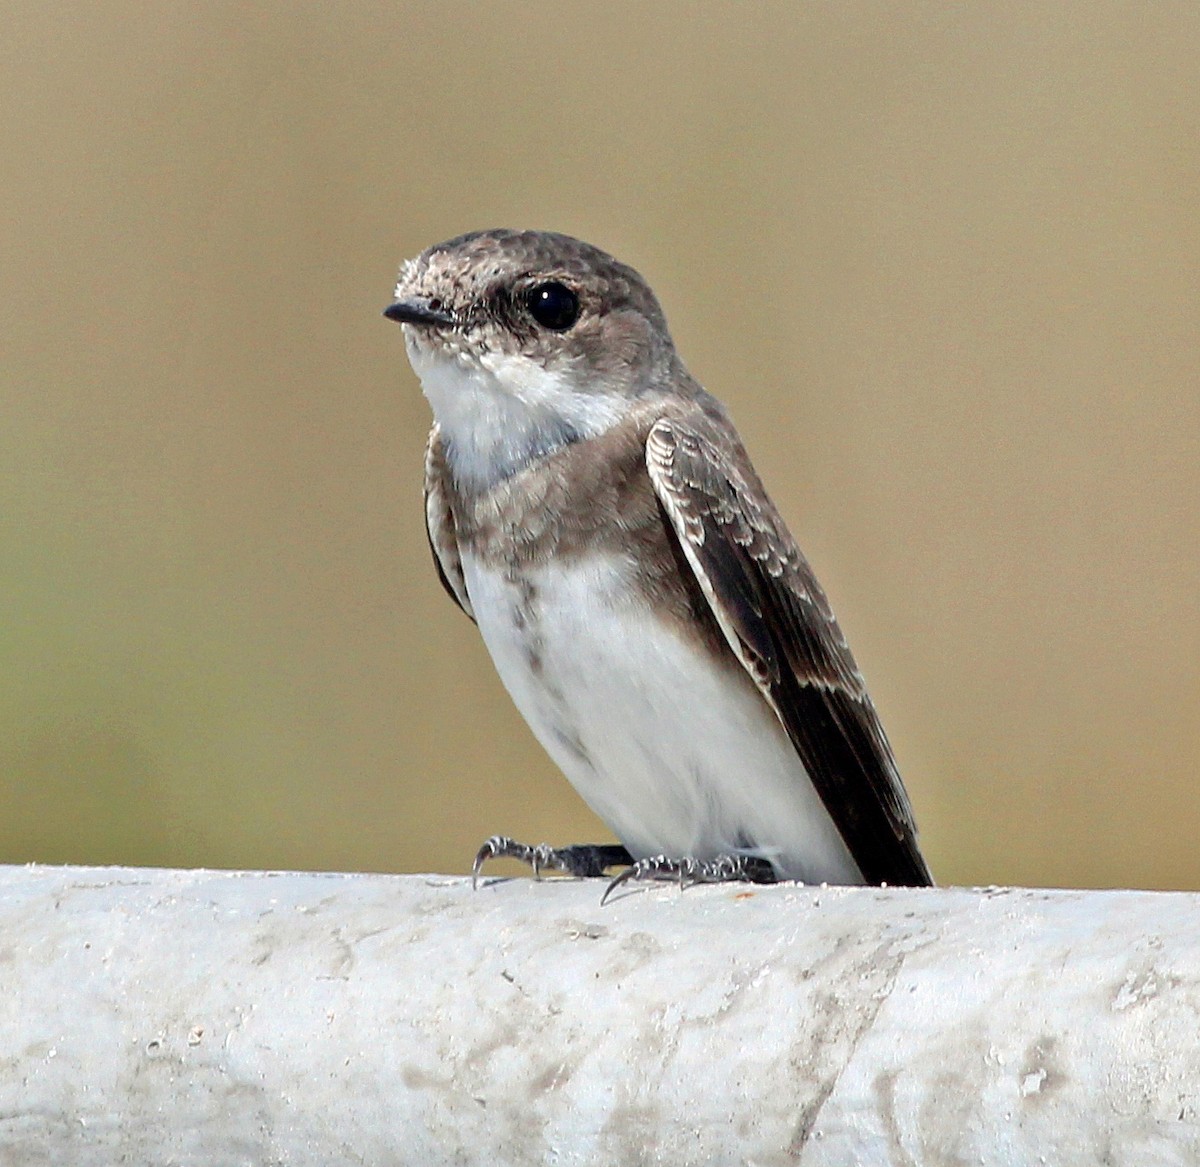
x=583 y=860
x=689 y=870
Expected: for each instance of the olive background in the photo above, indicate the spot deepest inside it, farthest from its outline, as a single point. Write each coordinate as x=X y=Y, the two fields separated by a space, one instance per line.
x=939 y=260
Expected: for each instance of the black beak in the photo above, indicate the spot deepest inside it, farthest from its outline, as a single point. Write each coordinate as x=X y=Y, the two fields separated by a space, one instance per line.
x=418 y=311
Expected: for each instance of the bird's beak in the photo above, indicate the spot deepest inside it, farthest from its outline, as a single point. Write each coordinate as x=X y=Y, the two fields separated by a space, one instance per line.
x=418 y=310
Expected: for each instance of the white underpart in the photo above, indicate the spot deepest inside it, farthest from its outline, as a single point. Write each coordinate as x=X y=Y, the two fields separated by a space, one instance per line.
x=678 y=755
x=502 y=409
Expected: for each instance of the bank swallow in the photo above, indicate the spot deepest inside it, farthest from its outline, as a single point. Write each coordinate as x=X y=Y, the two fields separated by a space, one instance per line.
x=592 y=509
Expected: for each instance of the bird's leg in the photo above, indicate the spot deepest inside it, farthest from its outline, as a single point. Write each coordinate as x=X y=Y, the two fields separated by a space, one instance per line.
x=582 y=859
x=687 y=871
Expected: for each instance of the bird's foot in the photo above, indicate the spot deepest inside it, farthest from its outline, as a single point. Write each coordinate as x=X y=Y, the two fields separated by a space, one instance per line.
x=582 y=860
x=687 y=871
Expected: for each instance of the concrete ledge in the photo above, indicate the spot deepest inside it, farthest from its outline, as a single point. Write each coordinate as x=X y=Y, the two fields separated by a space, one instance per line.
x=179 y=1017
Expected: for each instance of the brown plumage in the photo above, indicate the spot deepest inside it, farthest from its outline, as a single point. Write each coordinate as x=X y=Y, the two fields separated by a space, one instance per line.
x=667 y=490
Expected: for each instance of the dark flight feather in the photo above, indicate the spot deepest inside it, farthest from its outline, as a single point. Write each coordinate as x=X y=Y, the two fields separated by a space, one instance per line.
x=778 y=623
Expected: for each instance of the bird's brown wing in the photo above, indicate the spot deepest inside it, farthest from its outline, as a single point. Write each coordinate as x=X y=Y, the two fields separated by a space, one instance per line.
x=779 y=624
x=439 y=524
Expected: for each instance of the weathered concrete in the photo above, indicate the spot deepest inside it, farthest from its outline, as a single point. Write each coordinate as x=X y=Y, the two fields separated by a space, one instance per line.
x=173 y=1017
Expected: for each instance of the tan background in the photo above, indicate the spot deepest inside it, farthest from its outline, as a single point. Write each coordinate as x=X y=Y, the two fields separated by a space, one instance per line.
x=940 y=260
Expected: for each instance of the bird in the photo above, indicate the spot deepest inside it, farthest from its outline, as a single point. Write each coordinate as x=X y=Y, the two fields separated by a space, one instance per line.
x=591 y=507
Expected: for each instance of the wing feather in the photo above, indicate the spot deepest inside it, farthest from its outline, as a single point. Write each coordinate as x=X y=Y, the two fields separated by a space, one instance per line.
x=778 y=623
x=439 y=524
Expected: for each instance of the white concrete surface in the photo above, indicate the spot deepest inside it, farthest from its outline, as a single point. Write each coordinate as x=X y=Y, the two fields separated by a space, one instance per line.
x=197 y=1018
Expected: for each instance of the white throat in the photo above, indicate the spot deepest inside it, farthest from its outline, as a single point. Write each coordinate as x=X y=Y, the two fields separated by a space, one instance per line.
x=504 y=411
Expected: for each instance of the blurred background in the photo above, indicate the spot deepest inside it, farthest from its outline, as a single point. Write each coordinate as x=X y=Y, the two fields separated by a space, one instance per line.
x=939 y=260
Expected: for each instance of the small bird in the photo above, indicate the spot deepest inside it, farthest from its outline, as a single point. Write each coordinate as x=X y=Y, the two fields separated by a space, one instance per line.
x=591 y=507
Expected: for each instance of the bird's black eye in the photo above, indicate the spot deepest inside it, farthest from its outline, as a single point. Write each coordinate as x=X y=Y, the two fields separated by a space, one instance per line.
x=553 y=305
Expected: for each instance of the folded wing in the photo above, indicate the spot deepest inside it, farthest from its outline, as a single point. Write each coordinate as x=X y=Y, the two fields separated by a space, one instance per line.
x=779 y=624
x=439 y=524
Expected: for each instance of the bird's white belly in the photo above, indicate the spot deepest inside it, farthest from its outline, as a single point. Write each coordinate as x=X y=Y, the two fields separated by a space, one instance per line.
x=678 y=753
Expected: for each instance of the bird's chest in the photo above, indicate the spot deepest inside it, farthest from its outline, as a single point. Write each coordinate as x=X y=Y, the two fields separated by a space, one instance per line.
x=604 y=682
x=562 y=637
x=637 y=714
x=668 y=741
